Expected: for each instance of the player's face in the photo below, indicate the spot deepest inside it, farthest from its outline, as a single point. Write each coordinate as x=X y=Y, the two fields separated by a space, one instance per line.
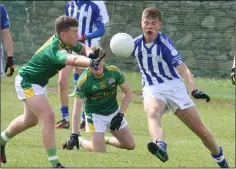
x=150 y=27
x=71 y=37
x=99 y=71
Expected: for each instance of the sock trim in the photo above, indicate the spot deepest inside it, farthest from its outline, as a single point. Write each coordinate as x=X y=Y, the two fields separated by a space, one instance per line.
x=107 y=140
x=4 y=136
x=51 y=158
x=162 y=142
x=219 y=154
x=220 y=159
x=81 y=141
x=66 y=118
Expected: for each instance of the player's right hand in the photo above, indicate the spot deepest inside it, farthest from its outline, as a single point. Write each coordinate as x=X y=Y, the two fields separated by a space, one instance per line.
x=10 y=65
x=72 y=142
x=232 y=76
x=94 y=63
x=197 y=94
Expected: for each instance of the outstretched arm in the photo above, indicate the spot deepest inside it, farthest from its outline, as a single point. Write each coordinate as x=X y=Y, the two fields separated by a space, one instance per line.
x=79 y=60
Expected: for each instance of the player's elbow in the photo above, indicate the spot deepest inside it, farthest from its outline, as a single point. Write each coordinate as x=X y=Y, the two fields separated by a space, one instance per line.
x=102 y=31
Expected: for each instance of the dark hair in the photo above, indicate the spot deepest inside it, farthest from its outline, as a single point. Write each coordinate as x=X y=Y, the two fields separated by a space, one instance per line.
x=63 y=24
x=152 y=13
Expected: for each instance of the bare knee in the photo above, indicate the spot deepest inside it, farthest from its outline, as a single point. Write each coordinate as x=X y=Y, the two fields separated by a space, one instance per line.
x=130 y=146
x=31 y=121
x=48 y=117
x=152 y=113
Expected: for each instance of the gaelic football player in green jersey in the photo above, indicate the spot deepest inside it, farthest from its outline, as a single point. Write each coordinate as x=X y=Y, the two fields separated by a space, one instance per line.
x=98 y=90
x=60 y=50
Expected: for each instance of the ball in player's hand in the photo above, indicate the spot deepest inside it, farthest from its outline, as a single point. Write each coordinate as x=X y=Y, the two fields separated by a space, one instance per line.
x=122 y=44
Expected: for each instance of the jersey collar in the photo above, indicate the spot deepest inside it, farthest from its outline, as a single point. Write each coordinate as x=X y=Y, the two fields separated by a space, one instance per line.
x=63 y=45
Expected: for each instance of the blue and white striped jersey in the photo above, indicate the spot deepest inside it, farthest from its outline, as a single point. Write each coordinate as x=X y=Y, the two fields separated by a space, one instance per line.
x=157 y=61
x=89 y=14
x=5 y=23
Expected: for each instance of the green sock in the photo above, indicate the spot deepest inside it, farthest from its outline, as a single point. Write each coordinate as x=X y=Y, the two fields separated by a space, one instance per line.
x=52 y=157
x=107 y=140
x=5 y=137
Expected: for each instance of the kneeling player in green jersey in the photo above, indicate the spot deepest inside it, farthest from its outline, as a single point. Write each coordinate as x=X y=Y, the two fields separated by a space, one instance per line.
x=98 y=90
x=30 y=84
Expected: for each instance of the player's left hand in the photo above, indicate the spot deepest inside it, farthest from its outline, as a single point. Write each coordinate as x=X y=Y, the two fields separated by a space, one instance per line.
x=232 y=76
x=98 y=55
x=116 y=121
x=72 y=142
x=10 y=65
x=197 y=94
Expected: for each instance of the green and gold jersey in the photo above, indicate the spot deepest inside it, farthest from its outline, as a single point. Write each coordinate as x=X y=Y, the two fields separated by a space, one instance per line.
x=100 y=93
x=48 y=60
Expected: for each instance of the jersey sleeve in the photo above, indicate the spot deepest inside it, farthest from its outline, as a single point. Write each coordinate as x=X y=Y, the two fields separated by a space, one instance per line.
x=97 y=17
x=60 y=56
x=78 y=48
x=79 y=91
x=5 y=23
x=120 y=79
x=103 y=11
x=170 y=53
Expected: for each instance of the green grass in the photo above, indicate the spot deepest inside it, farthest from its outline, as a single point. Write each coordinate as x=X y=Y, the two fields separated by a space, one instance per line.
x=184 y=148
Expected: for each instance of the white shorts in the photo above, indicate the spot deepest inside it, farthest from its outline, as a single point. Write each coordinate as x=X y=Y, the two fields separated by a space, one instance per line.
x=32 y=90
x=101 y=123
x=173 y=93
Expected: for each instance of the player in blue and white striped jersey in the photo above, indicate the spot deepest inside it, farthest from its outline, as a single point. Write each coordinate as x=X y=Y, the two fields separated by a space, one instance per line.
x=92 y=17
x=7 y=39
x=162 y=67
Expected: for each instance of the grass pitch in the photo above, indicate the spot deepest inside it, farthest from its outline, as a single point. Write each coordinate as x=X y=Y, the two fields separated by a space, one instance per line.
x=184 y=148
